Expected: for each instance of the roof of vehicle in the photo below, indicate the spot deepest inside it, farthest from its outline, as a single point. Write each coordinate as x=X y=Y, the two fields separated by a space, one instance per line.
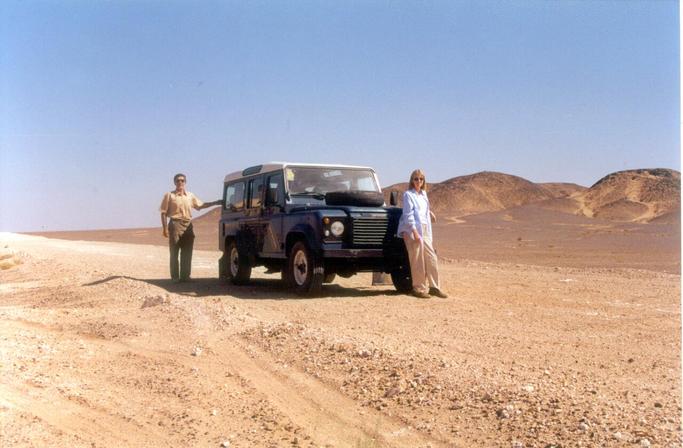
x=273 y=166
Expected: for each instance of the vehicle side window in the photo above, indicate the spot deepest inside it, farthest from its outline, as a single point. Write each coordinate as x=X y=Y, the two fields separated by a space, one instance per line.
x=234 y=196
x=255 y=192
x=276 y=183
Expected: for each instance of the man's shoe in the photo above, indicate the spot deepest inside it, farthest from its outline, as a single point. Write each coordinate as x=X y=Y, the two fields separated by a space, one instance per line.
x=420 y=295
x=175 y=280
x=438 y=293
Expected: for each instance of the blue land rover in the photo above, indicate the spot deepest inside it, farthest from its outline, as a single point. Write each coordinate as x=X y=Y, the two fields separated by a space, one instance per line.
x=310 y=223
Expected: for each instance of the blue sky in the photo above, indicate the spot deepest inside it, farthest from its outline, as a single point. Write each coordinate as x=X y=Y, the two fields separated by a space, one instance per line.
x=102 y=102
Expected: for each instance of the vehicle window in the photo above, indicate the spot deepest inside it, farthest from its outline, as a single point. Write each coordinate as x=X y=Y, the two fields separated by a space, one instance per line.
x=255 y=192
x=321 y=180
x=365 y=183
x=234 y=196
x=275 y=182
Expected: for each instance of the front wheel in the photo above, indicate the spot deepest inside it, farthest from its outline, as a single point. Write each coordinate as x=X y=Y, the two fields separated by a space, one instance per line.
x=238 y=270
x=401 y=278
x=305 y=271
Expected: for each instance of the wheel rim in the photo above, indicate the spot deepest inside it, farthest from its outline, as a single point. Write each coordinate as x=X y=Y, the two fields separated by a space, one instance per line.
x=234 y=261
x=300 y=268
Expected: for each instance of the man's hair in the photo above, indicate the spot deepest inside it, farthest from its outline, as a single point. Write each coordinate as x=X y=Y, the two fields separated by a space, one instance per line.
x=175 y=178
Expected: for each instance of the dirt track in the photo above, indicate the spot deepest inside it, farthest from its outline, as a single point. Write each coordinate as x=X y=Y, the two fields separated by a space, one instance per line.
x=97 y=348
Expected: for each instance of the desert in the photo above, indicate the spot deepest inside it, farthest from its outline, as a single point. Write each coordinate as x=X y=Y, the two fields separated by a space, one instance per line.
x=562 y=329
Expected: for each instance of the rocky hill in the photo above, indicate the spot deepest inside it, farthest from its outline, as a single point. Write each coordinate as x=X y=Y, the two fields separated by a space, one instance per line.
x=485 y=192
x=631 y=196
x=562 y=189
x=634 y=195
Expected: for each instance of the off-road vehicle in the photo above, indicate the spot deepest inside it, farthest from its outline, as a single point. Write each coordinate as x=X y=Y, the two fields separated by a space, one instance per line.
x=311 y=223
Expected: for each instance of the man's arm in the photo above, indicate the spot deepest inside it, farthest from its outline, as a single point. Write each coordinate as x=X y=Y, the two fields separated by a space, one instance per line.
x=164 y=224
x=210 y=204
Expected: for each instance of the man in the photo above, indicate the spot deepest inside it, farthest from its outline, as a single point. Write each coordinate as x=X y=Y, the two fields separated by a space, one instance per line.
x=176 y=222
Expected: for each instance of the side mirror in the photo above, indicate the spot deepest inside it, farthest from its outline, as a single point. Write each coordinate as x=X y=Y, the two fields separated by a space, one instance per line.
x=271 y=196
x=393 y=198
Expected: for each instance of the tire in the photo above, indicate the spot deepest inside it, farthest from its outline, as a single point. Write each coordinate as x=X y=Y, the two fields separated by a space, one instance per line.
x=223 y=267
x=305 y=270
x=401 y=278
x=399 y=269
x=329 y=278
x=238 y=268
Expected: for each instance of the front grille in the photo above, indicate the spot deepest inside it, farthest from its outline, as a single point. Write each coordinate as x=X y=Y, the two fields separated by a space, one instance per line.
x=369 y=231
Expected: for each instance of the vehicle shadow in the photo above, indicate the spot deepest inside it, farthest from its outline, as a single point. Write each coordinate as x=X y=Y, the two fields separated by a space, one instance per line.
x=256 y=289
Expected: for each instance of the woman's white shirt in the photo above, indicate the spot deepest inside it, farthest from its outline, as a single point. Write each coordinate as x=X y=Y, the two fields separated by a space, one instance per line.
x=415 y=213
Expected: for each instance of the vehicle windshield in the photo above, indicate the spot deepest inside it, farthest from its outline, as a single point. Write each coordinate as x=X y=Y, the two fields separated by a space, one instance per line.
x=316 y=181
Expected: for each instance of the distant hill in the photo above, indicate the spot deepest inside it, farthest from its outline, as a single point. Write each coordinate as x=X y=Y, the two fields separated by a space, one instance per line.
x=485 y=192
x=634 y=195
x=630 y=196
x=562 y=189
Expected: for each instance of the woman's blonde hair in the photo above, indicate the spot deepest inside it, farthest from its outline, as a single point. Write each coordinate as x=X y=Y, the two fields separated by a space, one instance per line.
x=418 y=172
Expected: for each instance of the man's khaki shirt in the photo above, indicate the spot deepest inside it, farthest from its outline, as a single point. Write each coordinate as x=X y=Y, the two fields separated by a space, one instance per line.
x=179 y=206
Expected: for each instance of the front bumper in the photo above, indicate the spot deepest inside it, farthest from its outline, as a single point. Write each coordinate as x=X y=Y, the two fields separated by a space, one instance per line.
x=352 y=253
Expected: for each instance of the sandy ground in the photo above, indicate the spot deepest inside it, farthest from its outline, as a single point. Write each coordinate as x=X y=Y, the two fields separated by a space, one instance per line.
x=98 y=348
x=527 y=234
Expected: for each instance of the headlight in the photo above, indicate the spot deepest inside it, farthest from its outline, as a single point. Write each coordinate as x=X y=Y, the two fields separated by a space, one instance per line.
x=337 y=228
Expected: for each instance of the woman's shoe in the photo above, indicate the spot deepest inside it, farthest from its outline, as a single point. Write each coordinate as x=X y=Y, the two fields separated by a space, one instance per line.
x=437 y=292
x=420 y=295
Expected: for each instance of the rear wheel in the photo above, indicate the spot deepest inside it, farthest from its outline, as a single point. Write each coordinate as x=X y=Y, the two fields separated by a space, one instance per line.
x=305 y=271
x=238 y=268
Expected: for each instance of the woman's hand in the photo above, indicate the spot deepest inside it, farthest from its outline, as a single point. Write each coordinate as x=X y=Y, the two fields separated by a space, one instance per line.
x=432 y=215
x=416 y=235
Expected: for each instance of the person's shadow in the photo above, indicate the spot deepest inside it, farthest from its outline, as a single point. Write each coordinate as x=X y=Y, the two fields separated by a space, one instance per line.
x=257 y=288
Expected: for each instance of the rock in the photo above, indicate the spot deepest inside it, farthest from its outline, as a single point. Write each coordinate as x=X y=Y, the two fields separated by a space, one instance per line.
x=364 y=353
x=583 y=426
x=528 y=388
x=197 y=351
x=151 y=301
x=645 y=443
x=392 y=392
x=225 y=444
x=517 y=444
x=502 y=413
x=658 y=404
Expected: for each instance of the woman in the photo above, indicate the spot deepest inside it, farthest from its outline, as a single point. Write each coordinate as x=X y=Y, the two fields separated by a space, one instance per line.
x=416 y=229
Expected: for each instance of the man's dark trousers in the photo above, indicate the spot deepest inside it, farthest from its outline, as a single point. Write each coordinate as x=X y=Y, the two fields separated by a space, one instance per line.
x=184 y=249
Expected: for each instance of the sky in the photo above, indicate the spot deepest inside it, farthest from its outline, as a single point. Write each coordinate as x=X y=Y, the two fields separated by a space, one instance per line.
x=102 y=102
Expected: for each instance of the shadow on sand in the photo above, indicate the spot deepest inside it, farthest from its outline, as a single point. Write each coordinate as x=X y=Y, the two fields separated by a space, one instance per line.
x=258 y=288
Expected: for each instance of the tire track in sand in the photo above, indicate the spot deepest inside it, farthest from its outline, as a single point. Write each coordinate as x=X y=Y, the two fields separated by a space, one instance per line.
x=327 y=416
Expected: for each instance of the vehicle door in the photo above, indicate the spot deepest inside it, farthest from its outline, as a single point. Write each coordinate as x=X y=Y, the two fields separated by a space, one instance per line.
x=233 y=208
x=254 y=225
x=273 y=214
